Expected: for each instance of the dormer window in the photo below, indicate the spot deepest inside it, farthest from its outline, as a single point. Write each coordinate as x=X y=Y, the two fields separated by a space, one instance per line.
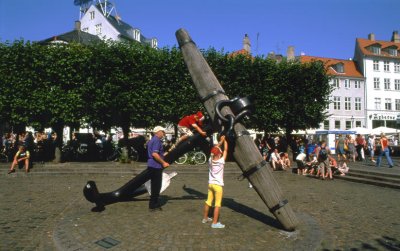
x=136 y=35
x=339 y=68
x=376 y=50
x=392 y=52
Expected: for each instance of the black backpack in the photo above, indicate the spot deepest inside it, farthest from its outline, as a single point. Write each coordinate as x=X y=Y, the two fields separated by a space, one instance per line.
x=323 y=154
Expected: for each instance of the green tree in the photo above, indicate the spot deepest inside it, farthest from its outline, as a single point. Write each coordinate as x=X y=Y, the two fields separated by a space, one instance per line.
x=304 y=95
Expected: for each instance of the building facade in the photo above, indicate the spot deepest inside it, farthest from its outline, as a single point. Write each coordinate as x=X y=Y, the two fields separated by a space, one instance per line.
x=379 y=62
x=347 y=107
x=101 y=19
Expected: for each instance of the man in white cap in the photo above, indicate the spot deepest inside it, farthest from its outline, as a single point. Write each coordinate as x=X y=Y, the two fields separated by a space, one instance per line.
x=155 y=166
x=154 y=173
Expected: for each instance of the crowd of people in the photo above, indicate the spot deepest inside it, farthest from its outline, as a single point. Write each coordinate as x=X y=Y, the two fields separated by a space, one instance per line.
x=316 y=159
x=41 y=147
x=358 y=148
x=308 y=158
x=33 y=147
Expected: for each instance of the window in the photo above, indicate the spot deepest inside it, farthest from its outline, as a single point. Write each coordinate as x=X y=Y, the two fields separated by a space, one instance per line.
x=397 y=84
x=136 y=35
x=348 y=124
x=357 y=104
x=337 y=124
x=377 y=103
x=376 y=50
x=336 y=83
x=339 y=68
x=326 y=124
x=386 y=83
x=91 y=15
x=85 y=29
x=347 y=103
x=388 y=104
x=376 y=65
x=98 y=29
x=376 y=83
x=397 y=67
x=346 y=84
x=386 y=66
x=393 y=52
x=397 y=104
x=154 y=43
x=357 y=84
x=336 y=103
x=358 y=123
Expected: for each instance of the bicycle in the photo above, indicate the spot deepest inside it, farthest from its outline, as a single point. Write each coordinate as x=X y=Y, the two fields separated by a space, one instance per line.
x=192 y=157
x=132 y=154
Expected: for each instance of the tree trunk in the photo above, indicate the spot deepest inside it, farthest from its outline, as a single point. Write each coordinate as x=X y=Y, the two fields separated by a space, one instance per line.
x=125 y=132
x=245 y=151
x=59 y=130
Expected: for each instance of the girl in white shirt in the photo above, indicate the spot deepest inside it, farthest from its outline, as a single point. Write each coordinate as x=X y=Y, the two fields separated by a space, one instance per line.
x=215 y=182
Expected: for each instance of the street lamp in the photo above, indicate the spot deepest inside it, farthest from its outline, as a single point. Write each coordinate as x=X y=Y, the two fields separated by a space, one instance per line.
x=352 y=121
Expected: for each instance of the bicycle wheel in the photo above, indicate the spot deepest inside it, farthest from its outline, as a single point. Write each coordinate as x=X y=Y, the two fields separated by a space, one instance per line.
x=199 y=158
x=181 y=160
x=133 y=154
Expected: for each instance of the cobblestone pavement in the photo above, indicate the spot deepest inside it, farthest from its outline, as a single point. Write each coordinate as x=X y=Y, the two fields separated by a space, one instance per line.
x=49 y=212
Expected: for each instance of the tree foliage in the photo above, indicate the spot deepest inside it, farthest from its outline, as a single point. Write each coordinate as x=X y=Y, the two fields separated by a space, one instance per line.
x=127 y=84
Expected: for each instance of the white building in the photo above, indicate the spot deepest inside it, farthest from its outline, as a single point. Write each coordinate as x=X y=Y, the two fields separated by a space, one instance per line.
x=379 y=62
x=101 y=19
x=347 y=107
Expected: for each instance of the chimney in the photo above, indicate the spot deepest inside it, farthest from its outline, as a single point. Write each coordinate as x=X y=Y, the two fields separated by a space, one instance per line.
x=371 y=36
x=78 y=25
x=395 y=37
x=290 y=53
x=246 y=43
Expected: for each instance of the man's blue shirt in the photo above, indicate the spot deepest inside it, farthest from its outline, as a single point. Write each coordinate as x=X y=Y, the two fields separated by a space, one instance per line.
x=154 y=146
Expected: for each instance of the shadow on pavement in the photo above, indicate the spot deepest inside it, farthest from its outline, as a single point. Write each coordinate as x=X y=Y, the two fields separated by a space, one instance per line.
x=239 y=208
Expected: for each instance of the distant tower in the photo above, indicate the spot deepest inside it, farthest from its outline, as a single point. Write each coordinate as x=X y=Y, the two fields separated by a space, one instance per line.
x=290 y=53
x=246 y=43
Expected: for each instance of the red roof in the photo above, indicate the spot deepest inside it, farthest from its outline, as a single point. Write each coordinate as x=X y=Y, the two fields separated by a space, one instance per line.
x=240 y=52
x=363 y=44
x=349 y=66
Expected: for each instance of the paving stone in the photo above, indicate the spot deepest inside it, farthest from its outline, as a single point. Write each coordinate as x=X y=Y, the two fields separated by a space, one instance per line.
x=50 y=212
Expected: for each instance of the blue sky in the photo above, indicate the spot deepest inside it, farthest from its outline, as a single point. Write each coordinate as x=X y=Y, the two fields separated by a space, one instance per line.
x=325 y=28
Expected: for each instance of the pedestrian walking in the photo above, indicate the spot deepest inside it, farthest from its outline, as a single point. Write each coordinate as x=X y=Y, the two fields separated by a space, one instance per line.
x=341 y=145
x=384 y=144
x=371 y=146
